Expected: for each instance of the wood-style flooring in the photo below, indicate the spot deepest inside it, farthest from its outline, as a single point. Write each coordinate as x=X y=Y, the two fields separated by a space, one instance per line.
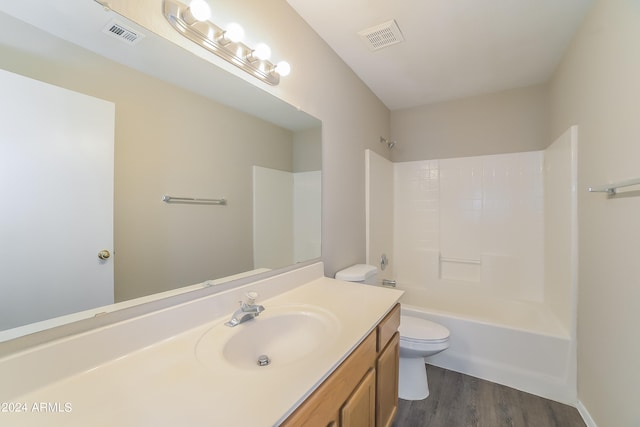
x=458 y=400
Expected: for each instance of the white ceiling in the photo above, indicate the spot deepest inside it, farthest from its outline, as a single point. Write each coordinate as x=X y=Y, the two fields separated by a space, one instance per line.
x=452 y=48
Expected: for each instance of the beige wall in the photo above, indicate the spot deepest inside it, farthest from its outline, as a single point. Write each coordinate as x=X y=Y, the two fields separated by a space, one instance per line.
x=210 y=154
x=598 y=87
x=169 y=141
x=503 y=122
x=307 y=150
x=353 y=118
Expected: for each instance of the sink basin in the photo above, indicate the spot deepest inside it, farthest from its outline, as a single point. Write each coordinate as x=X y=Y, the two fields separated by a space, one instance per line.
x=285 y=334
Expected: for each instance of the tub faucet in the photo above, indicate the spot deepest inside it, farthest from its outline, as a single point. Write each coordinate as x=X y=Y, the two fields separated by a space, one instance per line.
x=247 y=311
x=388 y=282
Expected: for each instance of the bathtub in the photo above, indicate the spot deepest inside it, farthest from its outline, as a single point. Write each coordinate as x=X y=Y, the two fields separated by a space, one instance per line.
x=515 y=343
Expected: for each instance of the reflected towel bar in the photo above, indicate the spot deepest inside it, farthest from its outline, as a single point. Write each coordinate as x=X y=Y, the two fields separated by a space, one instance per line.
x=611 y=188
x=171 y=199
x=461 y=260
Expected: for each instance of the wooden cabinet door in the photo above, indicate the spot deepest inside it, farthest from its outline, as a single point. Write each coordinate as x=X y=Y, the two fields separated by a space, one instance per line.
x=360 y=409
x=387 y=382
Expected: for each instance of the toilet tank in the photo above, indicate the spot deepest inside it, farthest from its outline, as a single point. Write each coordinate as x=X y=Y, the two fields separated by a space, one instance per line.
x=362 y=273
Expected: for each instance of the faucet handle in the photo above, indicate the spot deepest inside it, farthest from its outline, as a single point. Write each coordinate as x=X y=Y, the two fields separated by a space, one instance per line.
x=251 y=297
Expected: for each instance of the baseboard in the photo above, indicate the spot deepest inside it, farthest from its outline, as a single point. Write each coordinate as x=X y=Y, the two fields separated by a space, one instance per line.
x=586 y=416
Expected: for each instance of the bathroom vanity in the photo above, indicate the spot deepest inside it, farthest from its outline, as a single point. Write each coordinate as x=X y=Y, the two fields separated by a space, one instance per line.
x=332 y=347
x=363 y=390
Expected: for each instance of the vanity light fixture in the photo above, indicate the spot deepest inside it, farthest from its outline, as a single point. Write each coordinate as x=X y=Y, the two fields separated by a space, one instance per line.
x=198 y=10
x=262 y=51
x=192 y=22
x=233 y=33
x=283 y=68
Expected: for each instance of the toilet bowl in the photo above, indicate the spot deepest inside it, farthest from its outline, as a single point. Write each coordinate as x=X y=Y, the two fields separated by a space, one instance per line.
x=419 y=338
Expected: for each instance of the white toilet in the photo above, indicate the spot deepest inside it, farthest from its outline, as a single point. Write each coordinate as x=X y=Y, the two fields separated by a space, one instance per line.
x=419 y=338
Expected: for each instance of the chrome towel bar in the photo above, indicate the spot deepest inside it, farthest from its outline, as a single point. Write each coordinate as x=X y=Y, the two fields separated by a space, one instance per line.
x=461 y=260
x=193 y=200
x=612 y=188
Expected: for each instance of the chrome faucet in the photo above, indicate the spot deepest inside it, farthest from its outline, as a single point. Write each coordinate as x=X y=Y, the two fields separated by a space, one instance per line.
x=247 y=311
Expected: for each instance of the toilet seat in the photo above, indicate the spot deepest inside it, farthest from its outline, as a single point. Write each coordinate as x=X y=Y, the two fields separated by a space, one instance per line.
x=416 y=330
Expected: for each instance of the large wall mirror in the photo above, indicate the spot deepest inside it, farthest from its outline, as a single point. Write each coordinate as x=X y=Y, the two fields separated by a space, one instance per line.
x=181 y=127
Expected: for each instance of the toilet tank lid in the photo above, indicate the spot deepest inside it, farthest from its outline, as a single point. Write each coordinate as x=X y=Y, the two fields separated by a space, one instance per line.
x=356 y=273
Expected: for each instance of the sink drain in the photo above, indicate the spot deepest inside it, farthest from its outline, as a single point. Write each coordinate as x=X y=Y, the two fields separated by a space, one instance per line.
x=263 y=360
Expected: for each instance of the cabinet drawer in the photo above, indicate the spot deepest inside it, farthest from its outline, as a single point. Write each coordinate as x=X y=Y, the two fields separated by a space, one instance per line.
x=387 y=327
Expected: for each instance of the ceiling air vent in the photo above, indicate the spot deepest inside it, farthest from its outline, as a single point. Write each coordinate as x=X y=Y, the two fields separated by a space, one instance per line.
x=121 y=32
x=383 y=35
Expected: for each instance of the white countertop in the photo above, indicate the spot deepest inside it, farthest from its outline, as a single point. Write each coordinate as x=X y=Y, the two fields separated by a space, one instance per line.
x=165 y=384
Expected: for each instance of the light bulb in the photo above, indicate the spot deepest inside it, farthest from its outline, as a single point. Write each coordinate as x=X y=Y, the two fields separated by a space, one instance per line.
x=262 y=51
x=200 y=10
x=283 y=68
x=234 y=32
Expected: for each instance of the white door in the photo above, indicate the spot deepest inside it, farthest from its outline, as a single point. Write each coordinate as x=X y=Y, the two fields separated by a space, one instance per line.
x=56 y=201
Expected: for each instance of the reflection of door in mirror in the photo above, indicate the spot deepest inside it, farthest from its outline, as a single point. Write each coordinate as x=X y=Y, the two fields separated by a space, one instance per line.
x=56 y=158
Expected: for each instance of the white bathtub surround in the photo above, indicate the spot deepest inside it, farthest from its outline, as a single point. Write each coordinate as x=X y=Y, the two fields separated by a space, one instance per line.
x=561 y=228
x=144 y=371
x=307 y=218
x=472 y=223
x=286 y=216
x=379 y=184
x=500 y=225
x=486 y=246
